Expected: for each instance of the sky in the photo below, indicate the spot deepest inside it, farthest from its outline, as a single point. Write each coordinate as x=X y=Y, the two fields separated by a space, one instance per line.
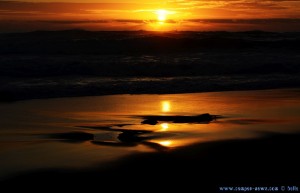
x=156 y=15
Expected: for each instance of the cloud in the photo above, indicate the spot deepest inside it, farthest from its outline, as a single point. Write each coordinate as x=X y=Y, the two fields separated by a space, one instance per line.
x=239 y=8
x=120 y=21
x=63 y=22
x=85 y=8
x=69 y=7
x=246 y=21
x=235 y=4
x=189 y=24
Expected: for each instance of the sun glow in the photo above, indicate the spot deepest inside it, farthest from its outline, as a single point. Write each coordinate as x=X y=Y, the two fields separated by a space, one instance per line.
x=161 y=15
x=165 y=106
x=163 y=19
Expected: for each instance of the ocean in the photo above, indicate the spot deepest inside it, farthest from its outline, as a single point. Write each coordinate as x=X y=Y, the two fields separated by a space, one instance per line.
x=46 y=64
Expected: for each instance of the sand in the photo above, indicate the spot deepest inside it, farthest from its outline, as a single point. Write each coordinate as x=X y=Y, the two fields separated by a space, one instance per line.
x=59 y=145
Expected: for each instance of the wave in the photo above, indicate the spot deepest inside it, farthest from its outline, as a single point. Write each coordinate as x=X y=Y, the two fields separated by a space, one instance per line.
x=137 y=42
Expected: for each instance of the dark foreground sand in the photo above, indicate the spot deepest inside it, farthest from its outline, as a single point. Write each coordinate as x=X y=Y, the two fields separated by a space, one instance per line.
x=268 y=161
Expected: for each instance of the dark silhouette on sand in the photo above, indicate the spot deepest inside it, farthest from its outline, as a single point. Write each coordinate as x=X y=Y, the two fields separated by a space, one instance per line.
x=127 y=138
x=75 y=136
x=204 y=118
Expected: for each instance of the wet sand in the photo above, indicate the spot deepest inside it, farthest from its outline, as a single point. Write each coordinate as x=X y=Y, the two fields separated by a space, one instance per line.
x=201 y=167
x=60 y=145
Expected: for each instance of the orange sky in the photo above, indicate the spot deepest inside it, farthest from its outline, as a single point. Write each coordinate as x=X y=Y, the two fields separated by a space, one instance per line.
x=232 y=15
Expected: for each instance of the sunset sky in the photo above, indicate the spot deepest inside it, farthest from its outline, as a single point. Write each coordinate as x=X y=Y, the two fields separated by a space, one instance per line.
x=231 y=15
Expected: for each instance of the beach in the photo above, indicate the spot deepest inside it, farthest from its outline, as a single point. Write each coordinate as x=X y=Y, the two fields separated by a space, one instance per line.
x=77 y=141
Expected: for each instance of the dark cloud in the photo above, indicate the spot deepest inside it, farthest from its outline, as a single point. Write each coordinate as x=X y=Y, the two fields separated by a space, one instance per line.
x=54 y=7
x=256 y=5
x=247 y=21
x=133 y=21
x=191 y=24
x=72 y=21
x=64 y=22
x=225 y=21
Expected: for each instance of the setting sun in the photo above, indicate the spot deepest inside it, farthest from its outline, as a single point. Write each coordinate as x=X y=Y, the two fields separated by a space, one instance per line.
x=165 y=106
x=161 y=15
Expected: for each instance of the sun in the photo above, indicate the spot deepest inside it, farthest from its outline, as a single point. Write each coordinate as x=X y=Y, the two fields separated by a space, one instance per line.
x=165 y=20
x=165 y=106
x=162 y=15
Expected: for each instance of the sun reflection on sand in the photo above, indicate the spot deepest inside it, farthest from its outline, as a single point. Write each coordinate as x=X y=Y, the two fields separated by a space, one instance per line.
x=166 y=143
x=164 y=126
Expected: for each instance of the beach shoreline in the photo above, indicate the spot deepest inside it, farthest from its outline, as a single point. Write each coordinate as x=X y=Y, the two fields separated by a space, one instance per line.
x=14 y=89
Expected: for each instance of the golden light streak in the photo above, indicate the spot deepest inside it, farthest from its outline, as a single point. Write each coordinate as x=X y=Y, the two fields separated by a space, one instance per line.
x=166 y=143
